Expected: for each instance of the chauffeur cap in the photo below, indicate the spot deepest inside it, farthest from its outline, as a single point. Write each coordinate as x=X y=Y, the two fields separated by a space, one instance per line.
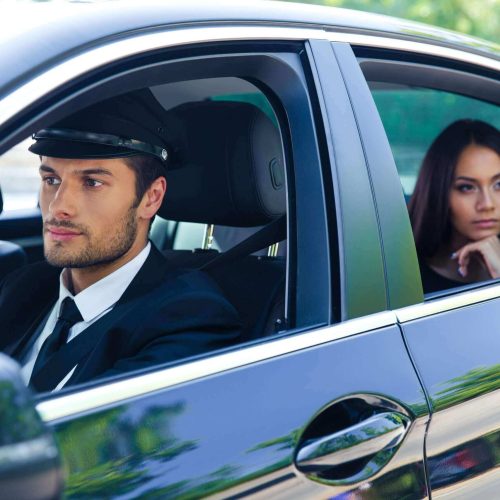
x=126 y=125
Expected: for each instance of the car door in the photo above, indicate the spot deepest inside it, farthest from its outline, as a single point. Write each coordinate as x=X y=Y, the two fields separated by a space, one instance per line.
x=330 y=405
x=453 y=335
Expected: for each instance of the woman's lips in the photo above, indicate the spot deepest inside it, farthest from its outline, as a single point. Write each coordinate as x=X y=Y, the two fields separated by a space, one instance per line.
x=60 y=234
x=486 y=223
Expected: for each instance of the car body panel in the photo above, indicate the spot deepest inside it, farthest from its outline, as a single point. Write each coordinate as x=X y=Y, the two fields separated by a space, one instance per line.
x=456 y=353
x=239 y=429
x=65 y=30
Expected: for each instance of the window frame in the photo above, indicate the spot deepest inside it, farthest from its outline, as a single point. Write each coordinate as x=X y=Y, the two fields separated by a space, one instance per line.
x=277 y=69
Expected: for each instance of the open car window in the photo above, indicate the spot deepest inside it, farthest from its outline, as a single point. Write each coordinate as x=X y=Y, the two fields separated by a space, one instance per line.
x=230 y=176
x=416 y=103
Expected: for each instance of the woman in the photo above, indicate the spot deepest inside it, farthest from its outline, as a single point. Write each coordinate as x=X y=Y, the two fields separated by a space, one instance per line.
x=455 y=208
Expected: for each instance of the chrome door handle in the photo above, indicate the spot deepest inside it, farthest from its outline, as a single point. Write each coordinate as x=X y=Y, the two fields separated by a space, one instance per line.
x=379 y=433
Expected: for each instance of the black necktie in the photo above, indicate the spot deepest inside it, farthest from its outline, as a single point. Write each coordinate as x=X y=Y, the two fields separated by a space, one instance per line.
x=68 y=316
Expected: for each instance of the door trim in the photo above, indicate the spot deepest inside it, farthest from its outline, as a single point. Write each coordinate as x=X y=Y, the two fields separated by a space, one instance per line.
x=94 y=398
x=444 y=304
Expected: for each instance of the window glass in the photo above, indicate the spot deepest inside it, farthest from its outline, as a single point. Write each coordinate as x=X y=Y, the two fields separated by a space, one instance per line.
x=413 y=117
x=19 y=179
x=453 y=227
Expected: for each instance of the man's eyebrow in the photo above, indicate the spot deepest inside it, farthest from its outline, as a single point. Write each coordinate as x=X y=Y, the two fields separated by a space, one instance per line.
x=87 y=171
x=44 y=168
x=94 y=171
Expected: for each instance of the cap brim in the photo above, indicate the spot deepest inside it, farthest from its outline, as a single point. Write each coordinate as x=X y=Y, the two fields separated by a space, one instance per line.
x=78 y=150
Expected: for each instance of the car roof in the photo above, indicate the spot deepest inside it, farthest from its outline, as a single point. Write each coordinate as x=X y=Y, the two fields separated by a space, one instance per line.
x=41 y=34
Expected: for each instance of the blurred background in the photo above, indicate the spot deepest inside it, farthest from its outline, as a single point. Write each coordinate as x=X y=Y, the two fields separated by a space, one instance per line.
x=479 y=18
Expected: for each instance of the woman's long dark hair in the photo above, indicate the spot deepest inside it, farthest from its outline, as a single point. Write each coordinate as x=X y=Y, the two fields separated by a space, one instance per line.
x=429 y=204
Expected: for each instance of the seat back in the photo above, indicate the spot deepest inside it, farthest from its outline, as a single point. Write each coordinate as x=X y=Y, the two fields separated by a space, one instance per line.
x=232 y=175
x=12 y=255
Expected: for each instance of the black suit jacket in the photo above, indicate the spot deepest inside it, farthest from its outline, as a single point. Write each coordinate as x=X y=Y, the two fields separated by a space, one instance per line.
x=164 y=315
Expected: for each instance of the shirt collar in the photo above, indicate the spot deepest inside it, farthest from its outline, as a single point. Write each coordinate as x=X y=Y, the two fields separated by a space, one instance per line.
x=104 y=293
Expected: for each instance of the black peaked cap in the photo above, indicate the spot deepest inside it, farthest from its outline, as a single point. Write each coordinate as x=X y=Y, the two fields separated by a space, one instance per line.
x=136 y=118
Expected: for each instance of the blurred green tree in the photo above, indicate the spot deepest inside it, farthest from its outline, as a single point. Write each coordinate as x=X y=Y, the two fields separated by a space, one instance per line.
x=480 y=18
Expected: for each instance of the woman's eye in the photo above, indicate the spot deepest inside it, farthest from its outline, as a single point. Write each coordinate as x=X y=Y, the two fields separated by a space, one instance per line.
x=464 y=188
x=93 y=183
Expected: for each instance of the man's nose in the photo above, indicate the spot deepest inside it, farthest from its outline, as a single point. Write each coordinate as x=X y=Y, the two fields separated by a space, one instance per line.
x=63 y=204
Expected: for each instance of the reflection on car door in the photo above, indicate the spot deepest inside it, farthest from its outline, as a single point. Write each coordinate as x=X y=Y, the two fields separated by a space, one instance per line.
x=456 y=352
x=238 y=431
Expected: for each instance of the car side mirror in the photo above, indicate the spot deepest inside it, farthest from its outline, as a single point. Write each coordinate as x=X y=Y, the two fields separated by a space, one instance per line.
x=29 y=459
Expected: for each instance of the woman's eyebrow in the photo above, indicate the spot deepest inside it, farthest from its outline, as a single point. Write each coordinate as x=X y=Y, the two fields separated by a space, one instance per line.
x=472 y=179
x=464 y=178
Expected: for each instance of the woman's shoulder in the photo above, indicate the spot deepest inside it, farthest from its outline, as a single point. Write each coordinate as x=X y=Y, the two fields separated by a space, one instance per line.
x=433 y=281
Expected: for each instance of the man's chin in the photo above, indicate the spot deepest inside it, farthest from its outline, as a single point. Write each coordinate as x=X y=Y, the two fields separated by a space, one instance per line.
x=64 y=259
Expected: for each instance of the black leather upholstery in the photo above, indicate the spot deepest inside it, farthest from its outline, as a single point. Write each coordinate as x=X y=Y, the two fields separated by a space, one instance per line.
x=233 y=176
x=233 y=171
x=12 y=256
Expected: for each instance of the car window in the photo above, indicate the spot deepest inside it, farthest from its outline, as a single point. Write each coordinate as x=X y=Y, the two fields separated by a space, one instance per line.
x=455 y=105
x=19 y=178
x=413 y=117
x=254 y=286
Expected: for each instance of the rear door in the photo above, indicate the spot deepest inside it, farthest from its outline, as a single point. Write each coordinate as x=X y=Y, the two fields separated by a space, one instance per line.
x=452 y=336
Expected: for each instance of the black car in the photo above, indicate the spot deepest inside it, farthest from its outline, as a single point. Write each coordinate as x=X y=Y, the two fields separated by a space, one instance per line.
x=348 y=382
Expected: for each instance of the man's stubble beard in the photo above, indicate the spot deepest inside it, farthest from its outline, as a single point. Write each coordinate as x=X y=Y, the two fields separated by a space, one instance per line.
x=100 y=252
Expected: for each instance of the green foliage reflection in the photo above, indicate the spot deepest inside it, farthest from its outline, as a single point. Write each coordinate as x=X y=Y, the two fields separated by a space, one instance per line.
x=480 y=18
x=472 y=384
x=105 y=454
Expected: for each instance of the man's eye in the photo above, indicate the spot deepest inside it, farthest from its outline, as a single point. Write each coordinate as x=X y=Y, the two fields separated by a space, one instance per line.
x=93 y=183
x=51 y=181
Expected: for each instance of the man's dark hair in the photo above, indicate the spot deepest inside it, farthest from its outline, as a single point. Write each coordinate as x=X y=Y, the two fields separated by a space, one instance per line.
x=146 y=169
x=429 y=205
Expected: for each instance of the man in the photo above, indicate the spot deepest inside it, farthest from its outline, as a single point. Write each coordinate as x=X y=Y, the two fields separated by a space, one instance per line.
x=115 y=306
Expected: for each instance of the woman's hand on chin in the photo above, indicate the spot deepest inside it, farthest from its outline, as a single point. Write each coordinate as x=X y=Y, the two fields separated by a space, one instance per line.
x=487 y=250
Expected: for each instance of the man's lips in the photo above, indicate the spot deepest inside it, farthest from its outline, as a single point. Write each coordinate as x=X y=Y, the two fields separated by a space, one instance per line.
x=486 y=223
x=62 y=234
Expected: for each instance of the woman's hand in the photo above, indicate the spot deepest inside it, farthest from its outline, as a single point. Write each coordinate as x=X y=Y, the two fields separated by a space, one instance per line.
x=488 y=251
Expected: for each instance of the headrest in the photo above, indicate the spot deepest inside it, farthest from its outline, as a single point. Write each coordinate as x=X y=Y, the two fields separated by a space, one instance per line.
x=233 y=169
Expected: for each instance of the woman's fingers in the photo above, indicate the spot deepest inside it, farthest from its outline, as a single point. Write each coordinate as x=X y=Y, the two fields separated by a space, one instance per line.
x=488 y=250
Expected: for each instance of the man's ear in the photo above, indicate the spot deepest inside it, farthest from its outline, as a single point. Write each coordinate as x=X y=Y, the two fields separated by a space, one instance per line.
x=152 y=198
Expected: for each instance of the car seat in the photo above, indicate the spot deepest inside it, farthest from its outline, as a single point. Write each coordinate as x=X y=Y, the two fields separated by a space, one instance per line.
x=12 y=255
x=232 y=174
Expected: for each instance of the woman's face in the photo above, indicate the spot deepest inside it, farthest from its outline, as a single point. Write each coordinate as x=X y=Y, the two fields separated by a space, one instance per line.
x=475 y=196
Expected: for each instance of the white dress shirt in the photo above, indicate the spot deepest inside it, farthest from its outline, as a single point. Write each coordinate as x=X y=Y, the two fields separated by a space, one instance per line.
x=93 y=303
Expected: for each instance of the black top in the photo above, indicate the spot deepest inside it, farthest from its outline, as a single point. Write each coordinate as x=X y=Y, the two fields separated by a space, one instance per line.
x=434 y=282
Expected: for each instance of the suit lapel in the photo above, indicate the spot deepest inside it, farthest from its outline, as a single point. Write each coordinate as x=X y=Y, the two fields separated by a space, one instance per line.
x=148 y=278
x=20 y=348
x=150 y=275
